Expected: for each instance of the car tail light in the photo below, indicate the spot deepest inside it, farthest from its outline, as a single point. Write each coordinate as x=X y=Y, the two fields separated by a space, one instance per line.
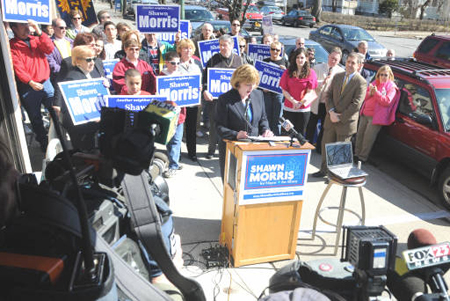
x=314 y=19
x=270 y=12
x=282 y=13
x=300 y=18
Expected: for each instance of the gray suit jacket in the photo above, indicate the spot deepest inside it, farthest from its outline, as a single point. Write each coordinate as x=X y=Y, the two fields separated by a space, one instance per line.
x=347 y=104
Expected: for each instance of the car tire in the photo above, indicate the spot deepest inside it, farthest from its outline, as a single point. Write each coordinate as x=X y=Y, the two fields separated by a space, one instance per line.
x=444 y=187
x=344 y=56
x=295 y=24
x=311 y=25
x=284 y=22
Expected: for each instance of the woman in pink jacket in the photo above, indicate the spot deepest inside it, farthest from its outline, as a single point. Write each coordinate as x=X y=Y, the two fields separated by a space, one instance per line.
x=377 y=110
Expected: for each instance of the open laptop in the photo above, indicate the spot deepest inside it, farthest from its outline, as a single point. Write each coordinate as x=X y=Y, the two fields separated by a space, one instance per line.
x=340 y=160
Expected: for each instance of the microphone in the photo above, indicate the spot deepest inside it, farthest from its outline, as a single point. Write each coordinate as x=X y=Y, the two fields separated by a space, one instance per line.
x=289 y=127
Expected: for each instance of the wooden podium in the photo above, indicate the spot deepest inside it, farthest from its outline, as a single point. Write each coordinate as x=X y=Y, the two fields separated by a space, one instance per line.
x=264 y=188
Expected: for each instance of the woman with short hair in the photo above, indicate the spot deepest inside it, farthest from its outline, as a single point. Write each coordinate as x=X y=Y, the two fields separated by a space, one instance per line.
x=240 y=112
x=75 y=27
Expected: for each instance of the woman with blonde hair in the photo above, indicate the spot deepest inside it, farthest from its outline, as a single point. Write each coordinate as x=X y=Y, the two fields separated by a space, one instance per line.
x=240 y=112
x=378 y=110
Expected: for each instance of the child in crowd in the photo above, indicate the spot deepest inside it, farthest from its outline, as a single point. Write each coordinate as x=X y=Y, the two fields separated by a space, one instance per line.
x=133 y=81
x=172 y=62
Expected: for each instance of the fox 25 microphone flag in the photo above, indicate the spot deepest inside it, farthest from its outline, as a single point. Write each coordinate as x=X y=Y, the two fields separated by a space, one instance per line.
x=86 y=7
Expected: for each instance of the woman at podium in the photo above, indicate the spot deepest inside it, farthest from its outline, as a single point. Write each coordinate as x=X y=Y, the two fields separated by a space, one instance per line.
x=240 y=112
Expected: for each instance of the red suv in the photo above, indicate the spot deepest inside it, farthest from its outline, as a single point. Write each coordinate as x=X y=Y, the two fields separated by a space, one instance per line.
x=434 y=50
x=420 y=135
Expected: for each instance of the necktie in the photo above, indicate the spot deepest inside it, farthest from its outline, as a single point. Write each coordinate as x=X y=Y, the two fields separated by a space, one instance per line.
x=345 y=82
x=249 y=113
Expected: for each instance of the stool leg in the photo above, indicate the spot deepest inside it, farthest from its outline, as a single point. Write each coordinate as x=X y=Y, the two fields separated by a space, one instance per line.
x=322 y=198
x=363 y=207
x=340 y=219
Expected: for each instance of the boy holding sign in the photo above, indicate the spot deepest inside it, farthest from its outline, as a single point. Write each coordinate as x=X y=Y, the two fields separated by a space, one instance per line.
x=133 y=81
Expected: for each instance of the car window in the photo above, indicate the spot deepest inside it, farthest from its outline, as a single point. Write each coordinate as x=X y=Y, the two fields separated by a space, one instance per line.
x=252 y=9
x=321 y=55
x=427 y=45
x=443 y=52
x=415 y=101
x=336 y=34
x=292 y=13
x=356 y=34
x=199 y=15
x=443 y=100
x=325 y=31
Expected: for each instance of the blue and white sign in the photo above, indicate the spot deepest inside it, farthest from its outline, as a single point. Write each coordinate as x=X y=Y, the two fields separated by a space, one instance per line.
x=84 y=99
x=157 y=18
x=269 y=76
x=170 y=37
x=267 y=24
x=132 y=102
x=184 y=90
x=210 y=47
x=258 y=51
x=23 y=10
x=275 y=176
x=219 y=81
x=108 y=66
x=118 y=5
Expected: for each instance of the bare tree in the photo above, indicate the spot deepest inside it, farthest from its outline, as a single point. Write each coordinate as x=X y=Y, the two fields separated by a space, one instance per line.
x=317 y=10
x=423 y=7
x=334 y=5
x=236 y=9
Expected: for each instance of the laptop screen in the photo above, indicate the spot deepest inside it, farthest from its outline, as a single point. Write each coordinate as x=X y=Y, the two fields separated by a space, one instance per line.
x=339 y=153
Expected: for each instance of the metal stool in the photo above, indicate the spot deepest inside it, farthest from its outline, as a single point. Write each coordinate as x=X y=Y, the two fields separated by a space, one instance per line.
x=355 y=182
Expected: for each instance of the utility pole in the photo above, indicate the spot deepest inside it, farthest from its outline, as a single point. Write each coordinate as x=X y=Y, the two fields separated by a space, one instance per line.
x=182 y=9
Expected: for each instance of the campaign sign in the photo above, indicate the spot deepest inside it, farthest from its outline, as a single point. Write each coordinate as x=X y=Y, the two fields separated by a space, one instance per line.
x=84 y=99
x=269 y=76
x=267 y=24
x=273 y=176
x=23 y=10
x=132 y=102
x=157 y=18
x=184 y=90
x=258 y=51
x=118 y=5
x=210 y=47
x=108 y=66
x=219 y=81
x=170 y=37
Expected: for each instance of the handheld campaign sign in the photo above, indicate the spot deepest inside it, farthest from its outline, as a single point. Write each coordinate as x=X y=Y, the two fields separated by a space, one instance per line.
x=219 y=81
x=84 y=99
x=170 y=37
x=132 y=102
x=427 y=256
x=108 y=66
x=267 y=24
x=22 y=10
x=275 y=176
x=210 y=47
x=184 y=90
x=258 y=51
x=158 y=18
x=269 y=76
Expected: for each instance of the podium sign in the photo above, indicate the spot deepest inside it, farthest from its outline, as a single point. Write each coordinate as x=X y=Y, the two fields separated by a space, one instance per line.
x=264 y=189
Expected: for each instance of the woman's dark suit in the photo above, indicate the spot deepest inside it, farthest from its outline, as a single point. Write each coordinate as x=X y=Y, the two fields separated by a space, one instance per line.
x=230 y=119
x=81 y=136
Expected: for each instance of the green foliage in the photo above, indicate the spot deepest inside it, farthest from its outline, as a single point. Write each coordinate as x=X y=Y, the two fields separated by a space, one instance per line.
x=388 y=7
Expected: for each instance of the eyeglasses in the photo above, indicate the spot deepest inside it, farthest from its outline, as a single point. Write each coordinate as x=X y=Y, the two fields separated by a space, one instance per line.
x=62 y=27
x=274 y=49
x=76 y=18
x=174 y=63
x=235 y=24
x=384 y=74
x=89 y=59
x=241 y=46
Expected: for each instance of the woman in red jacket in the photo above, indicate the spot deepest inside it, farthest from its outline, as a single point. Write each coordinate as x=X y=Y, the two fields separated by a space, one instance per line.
x=377 y=110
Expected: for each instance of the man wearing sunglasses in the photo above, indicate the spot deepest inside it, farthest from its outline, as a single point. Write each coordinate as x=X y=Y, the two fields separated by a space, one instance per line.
x=32 y=72
x=63 y=47
x=235 y=27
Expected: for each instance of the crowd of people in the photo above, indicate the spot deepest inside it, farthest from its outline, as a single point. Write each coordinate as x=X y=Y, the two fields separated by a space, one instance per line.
x=311 y=92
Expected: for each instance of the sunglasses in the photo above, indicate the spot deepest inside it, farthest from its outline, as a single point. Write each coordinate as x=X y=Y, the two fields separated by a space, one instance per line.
x=274 y=49
x=241 y=46
x=62 y=27
x=89 y=59
x=76 y=18
x=236 y=24
x=174 y=63
x=383 y=74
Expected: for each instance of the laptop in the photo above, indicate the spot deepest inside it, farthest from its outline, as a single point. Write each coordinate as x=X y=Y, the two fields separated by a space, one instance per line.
x=340 y=161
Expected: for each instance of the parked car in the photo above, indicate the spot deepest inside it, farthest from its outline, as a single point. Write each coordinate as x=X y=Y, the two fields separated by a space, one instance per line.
x=347 y=38
x=434 y=50
x=218 y=24
x=420 y=134
x=131 y=6
x=252 y=15
x=297 y=17
x=274 y=11
x=196 y=13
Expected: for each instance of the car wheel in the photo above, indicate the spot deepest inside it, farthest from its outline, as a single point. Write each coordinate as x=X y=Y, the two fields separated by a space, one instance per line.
x=284 y=22
x=296 y=24
x=344 y=56
x=311 y=25
x=444 y=187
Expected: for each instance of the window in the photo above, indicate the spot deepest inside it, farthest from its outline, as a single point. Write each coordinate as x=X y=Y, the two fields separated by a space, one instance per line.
x=292 y=13
x=443 y=100
x=326 y=31
x=336 y=34
x=427 y=45
x=415 y=100
x=443 y=52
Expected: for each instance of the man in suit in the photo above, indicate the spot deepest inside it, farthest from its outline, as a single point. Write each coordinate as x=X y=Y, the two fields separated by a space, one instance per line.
x=343 y=101
x=240 y=112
